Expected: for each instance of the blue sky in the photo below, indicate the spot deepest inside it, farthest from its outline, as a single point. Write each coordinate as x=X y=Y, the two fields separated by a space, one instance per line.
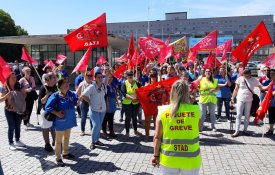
x=56 y=16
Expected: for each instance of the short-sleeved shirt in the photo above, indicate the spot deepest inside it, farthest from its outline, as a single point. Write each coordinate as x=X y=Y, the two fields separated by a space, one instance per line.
x=96 y=96
x=244 y=93
x=225 y=91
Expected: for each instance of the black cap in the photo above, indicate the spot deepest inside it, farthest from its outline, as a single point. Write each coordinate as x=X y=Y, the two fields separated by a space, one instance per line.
x=129 y=73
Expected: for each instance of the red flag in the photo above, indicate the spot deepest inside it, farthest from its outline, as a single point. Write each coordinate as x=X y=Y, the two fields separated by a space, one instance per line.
x=195 y=84
x=270 y=60
x=191 y=57
x=223 y=49
x=178 y=55
x=260 y=114
x=5 y=70
x=83 y=63
x=60 y=59
x=233 y=59
x=93 y=34
x=131 y=48
x=212 y=62
x=154 y=95
x=101 y=60
x=134 y=59
x=46 y=61
x=209 y=42
x=49 y=64
x=150 y=46
x=119 y=72
x=27 y=57
x=166 y=52
x=258 y=38
x=123 y=58
x=93 y=73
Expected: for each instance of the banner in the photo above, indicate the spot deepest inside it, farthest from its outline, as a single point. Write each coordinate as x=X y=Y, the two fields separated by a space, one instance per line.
x=49 y=64
x=179 y=45
x=120 y=71
x=270 y=60
x=93 y=34
x=27 y=57
x=209 y=42
x=154 y=95
x=150 y=46
x=83 y=63
x=60 y=59
x=212 y=62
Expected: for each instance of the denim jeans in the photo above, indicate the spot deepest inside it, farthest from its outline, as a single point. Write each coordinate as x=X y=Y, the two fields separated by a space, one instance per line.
x=84 y=108
x=97 y=119
x=242 y=107
x=226 y=102
x=14 y=125
x=211 y=108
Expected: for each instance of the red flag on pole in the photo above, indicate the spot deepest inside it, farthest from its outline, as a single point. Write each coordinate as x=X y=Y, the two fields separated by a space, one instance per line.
x=60 y=59
x=212 y=62
x=123 y=58
x=258 y=38
x=209 y=42
x=131 y=48
x=83 y=63
x=270 y=60
x=178 y=55
x=233 y=59
x=150 y=46
x=27 y=57
x=49 y=64
x=119 y=72
x=135 y=60
x=101 y=60
x=93 y=34
x=5 y=70
x=223 y=49
x=154 y=95
x=191 y=57
x=166 y=52
x=260 y=114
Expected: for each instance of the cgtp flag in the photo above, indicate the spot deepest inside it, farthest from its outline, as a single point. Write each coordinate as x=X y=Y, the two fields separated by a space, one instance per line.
x=154 y=95
x=92 y=34
x=270 y=60
x=60 y=59
x=27 y=57
x=209 y=42
x=179 y=45
x=5 y=70
x=101 y=60
x=83 y=63
x=258 y=38
x=260 y=114
x=150 y=46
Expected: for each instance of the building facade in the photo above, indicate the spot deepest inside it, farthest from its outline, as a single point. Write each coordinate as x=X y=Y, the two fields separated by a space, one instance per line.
x=177 y=25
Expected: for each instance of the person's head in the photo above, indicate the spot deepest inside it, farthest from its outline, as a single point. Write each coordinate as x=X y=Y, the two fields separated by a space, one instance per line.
x=153 y=78
x=48 y=69
x=163 y=70
x=184 y=76
x=98 y=78
x=247 y=73
x=26 y=71
x=16 y=62
x=63 y=85
x=50 y=79
x=130 y=75
x=116 y=66
x=208 y=74
x=272 y=75
x=11 y=80
x=125 y=74
x=170 y=69
x=267 y=71
x=110 y=78
x=202 y=72
x=222 y=70
x=179 y=94
x=181 y=69
x=191 y=68
x=88 y=77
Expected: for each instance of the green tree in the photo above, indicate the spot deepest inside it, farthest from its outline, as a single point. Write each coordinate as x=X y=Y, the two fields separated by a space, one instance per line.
x=10 y=52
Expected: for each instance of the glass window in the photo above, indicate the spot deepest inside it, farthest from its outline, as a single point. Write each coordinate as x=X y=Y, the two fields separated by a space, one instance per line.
x=35 y=48
x=61 y=48
x=43 y=47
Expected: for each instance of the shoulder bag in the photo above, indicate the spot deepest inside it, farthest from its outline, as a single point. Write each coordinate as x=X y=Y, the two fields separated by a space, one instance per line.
x=255 y=103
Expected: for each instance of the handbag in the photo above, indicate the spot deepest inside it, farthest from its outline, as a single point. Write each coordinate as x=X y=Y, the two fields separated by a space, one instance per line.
x=255 y=102
x=49 y=115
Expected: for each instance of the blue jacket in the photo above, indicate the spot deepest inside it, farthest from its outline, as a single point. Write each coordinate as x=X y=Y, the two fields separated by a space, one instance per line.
x=225 y=91
x=67 y=104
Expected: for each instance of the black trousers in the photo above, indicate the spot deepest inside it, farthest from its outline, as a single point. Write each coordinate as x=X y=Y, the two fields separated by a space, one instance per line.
x=131 y=113
x=108 y=118
x=29 y=106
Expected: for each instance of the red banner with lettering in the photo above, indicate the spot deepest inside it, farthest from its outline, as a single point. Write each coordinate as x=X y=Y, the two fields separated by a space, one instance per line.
x=93 y=34
x=154 y=95
x=207 y=43
x=150 y=46
x=270 y=60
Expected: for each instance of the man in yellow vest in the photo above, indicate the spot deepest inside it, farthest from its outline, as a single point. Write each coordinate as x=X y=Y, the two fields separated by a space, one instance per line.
x=176 y=140
x=130 y=102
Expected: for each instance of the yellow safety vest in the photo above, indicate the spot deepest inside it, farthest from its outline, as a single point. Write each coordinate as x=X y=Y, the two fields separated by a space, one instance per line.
x=180 y=147
x=205 y=95
x=130 y=90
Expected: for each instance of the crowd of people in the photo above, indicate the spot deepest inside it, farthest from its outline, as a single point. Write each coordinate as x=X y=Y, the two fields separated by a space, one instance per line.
x=98 y=93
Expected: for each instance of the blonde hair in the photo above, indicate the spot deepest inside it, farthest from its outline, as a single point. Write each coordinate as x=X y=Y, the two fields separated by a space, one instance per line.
x=179 y=94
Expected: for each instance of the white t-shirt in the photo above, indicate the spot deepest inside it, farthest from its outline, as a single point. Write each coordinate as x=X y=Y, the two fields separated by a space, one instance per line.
x=244 y=93
x=96 y=96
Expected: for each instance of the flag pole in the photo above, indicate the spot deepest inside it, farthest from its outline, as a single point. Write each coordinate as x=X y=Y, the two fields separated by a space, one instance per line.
x=263 y=128
x=39 y=77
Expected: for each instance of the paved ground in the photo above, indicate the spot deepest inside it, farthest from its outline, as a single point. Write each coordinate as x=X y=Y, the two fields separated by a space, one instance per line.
x=221 y=154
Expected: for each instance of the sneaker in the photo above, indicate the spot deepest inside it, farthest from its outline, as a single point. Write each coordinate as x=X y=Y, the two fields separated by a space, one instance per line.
x=60 y=163
x=121 y=120
x=92 y=147
x=48 y=148
x=99 y=143
x=236 y=134
x=269 y=133
x=138 y=133
x=68 y=156
x=82 y=134
x=12 y=147
x=19 y=144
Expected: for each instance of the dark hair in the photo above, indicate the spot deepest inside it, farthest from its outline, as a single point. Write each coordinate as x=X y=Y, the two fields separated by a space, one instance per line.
x=153 y=75
x=97 y=73
x=17 y=85
x=49 y=76
x=60 y=82
x=211 y=76
x=247 y=71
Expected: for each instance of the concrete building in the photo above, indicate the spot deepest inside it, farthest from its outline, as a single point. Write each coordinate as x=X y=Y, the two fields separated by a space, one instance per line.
x=177 y=25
